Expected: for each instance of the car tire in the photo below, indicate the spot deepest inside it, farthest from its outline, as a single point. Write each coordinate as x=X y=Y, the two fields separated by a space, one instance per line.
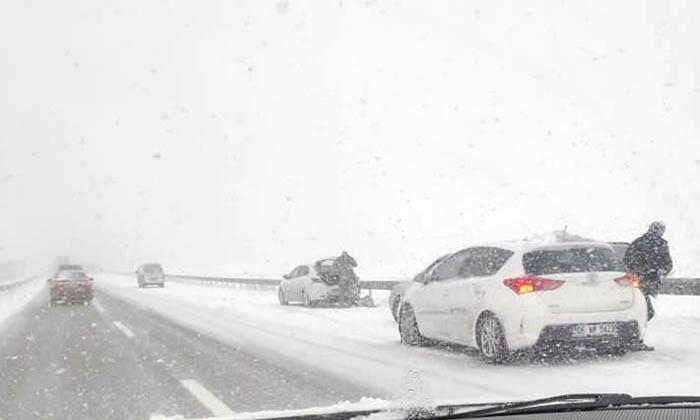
x=395 y=308
x=306 y=299
x=281 y=297
x=491 y=340
x=408 y=327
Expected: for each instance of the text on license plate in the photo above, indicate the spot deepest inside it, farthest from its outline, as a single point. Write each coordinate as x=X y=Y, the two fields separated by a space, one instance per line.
x=594 y=330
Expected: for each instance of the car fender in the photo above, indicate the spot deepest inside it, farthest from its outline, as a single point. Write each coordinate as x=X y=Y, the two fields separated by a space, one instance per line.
x=317 y=291
x=407 y=297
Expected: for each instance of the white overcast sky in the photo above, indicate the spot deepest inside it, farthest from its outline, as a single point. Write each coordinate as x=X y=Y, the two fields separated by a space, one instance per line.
x=253 y=135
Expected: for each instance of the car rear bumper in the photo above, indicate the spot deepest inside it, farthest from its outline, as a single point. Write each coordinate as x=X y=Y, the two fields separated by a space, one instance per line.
x=156 y=281
x=555 y=335
x=323 y=292
x=536 y=326
x=77 y=295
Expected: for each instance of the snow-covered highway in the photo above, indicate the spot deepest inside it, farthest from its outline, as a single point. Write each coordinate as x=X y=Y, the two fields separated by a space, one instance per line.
x=201 y=350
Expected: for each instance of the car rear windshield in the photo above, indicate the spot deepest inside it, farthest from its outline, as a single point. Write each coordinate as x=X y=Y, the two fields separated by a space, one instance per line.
x=571 y=260
x=153 y=268
x=71 y=275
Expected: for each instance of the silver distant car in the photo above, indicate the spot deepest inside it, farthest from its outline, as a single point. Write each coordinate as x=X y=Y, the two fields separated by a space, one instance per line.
x=150 y=274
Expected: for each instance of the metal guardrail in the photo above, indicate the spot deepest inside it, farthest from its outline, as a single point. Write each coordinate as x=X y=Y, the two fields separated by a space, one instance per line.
x=224 y=280
x=7 y=286
x=369 y=285
x=670 y=286
x=680 y=286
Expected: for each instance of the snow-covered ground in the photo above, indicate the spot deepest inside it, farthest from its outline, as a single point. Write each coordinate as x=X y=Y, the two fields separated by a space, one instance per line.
x=12 y=300
x=362 y=345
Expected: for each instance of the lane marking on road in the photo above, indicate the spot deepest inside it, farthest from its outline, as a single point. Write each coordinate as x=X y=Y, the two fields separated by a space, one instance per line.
x=98 y=307
x=121 y=327
x=213 y=404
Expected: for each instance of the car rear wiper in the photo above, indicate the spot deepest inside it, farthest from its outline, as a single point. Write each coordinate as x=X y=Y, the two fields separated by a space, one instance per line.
x=567 y=402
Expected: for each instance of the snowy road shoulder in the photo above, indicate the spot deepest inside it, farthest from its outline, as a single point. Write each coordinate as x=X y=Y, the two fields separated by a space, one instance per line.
x=14 y=299
x=362 y=345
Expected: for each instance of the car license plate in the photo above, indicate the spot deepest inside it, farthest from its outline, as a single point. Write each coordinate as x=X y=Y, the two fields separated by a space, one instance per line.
x=594 y=330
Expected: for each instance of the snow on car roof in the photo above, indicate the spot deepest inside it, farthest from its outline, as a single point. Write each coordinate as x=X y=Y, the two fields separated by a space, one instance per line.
x=550 y=240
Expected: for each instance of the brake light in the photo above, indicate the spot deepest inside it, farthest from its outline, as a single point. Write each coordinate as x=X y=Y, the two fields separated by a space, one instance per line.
x=522 y=285
x=55 y=284
x=629 y=280
x=87 y=284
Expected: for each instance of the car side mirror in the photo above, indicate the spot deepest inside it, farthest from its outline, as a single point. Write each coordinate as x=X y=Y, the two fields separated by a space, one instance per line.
x=48 y=280
x=286 y=277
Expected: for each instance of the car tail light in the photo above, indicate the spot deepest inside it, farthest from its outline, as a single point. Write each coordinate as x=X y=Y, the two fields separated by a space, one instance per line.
x=523 y=285
x=629 y=280
x=87 y=284
x=55 y=284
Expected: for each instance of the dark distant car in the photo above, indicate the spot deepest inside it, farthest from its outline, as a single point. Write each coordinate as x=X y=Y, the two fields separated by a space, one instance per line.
x=150 y=274
x=70 y=286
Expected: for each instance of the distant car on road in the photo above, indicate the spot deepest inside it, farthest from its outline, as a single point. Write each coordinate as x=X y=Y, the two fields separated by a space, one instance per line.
x=517 y=295
x=304 y=284
x=150 y=274
x=70 y=286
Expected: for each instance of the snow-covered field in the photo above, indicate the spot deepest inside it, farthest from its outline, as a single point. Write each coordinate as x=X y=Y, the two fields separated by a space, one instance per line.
x=362 y=345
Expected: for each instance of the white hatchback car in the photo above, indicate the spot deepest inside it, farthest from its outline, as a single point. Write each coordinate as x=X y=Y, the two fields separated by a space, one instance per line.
x=517 y=295
x=304 y=285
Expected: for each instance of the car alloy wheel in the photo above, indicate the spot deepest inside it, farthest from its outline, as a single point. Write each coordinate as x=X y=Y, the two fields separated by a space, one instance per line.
x=491 y=339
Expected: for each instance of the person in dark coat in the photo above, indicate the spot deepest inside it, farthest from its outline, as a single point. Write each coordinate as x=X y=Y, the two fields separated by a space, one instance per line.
x=649 y=258
x=346 y=260
x=348 y=282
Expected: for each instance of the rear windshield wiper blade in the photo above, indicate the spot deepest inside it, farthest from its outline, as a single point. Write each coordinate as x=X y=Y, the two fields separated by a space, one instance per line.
x=567 y=402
